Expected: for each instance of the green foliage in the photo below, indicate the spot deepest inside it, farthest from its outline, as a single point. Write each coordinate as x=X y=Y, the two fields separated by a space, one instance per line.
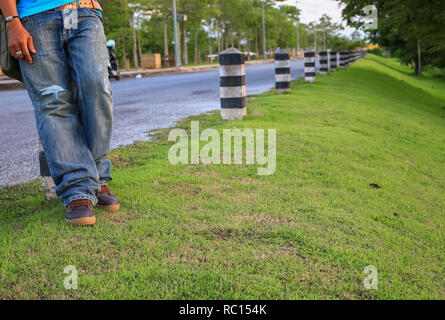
x=212 y=26
x=404 y=27
x=116 y=19
x=377 y=51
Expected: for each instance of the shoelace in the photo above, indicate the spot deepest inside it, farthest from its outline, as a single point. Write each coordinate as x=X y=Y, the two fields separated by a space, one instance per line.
x=104 y=189
x=80 y=203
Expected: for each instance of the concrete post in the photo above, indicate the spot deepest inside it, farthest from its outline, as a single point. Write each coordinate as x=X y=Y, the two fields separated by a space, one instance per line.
x=347 y=58
x=353 y=56
x=45 y=176
x=282 y=72
x=309 y=66
x=232 y=84
x=324 y=57
x=342 y=59
x=333 y=59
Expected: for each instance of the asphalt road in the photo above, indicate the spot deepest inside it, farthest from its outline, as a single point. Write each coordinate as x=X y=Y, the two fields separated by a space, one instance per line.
x=139 y=105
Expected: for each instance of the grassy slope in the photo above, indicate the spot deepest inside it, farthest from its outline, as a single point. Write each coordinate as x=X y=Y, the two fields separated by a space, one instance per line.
x=223 y=232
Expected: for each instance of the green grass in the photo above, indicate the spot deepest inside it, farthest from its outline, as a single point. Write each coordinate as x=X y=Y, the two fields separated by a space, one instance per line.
x=223 y=232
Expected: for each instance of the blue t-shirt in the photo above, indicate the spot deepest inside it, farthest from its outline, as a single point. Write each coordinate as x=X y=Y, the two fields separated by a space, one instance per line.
x=29 y=7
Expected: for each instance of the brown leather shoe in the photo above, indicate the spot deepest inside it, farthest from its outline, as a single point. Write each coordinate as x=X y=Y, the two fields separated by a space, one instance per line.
x=80 y=213
x=107 y=200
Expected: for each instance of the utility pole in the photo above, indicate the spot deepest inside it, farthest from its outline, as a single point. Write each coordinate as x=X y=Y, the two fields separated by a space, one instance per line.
x=325 y=40
x=175 y=28
x=264 y=31
x=315 y=39
x=315 y=27
x=298 y=31
x=419 y=59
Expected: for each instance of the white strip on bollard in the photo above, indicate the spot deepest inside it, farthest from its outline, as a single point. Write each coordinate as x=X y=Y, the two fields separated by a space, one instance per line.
x=282 y=72
x=309 y=66
x=45 y=176
x=232 y=84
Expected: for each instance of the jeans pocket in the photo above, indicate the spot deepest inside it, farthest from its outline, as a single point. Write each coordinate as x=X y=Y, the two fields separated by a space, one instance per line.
x=27 y=23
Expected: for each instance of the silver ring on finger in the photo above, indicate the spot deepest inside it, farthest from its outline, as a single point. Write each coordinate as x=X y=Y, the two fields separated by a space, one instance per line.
x=19 y=53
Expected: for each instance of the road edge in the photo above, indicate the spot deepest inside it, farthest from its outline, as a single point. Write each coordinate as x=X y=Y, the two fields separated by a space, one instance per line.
x=10 y=84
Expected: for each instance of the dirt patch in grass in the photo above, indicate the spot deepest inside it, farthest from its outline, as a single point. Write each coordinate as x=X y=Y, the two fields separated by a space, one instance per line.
x=247 y=181
x=265 y=219
x=283 y=251
x=257 y=113
x=120 y=162
x=117 y=218
x=187 y=256
x=184 y=189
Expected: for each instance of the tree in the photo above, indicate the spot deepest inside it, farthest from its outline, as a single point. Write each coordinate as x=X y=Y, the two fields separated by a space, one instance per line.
x=411 y=30
x=328 y=29
x=140 y=26
x=117 y=24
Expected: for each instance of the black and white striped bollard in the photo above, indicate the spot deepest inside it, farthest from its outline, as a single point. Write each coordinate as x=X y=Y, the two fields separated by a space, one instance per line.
x=45 y=176
x=347 y=58
x=309 y=66
x=343 y=59
x=232 y=84
x=353 y=56
x=324 y=56
x=333 y=60
x=282 y=72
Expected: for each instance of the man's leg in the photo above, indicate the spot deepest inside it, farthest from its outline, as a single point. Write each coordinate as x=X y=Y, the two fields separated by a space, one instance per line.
x=63 y=137
x=88 y=58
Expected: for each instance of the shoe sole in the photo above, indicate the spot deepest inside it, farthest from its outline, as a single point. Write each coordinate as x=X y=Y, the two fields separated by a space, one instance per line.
x=89 y=221
x=110 y=208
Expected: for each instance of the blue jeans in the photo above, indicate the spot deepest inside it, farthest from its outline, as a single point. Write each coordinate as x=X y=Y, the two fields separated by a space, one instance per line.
x=69 y=88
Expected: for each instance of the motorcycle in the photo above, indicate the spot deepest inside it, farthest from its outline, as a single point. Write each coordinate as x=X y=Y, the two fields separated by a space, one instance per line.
x=113 y=63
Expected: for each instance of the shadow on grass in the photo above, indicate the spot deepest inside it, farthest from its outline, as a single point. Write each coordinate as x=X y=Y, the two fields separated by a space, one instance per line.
x=394 y=88
x=399 y=69
x=429 y=76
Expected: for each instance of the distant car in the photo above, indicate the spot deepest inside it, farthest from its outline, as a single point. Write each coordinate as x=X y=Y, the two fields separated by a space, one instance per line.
x=212 y=57
x=249 y=55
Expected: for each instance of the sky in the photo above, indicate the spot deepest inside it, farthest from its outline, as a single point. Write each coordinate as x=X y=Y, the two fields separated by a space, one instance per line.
x=313 y=10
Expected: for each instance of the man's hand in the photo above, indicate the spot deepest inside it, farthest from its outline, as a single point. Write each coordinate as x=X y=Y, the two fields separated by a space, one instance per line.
x=20 y=41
